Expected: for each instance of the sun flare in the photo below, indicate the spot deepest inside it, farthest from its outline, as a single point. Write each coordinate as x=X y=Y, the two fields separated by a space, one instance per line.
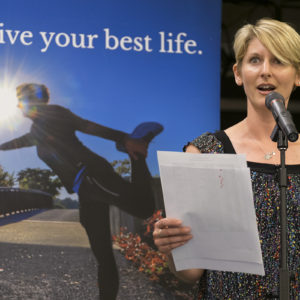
x=8 y=103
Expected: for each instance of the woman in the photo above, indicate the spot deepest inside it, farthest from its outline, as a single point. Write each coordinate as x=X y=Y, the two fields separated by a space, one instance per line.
x=267 y=59
x=84 y=172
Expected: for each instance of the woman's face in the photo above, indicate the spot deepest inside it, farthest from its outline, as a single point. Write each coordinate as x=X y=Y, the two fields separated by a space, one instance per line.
x=261 y=72
x=28 y=108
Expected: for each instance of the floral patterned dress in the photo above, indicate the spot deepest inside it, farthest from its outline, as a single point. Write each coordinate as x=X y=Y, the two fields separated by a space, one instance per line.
x=230 y=285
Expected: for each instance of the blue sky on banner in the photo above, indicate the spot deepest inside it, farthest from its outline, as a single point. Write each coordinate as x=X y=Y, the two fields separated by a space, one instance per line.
x=116 y=62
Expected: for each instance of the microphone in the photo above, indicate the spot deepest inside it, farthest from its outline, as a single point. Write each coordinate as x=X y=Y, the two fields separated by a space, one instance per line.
x=275 y=103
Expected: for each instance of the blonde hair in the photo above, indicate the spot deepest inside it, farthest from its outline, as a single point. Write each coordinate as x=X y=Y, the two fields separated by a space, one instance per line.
x=278 y=37
x=34 y=92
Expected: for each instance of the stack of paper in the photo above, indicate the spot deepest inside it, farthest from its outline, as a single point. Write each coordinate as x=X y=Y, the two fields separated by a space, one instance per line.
x=212 y=193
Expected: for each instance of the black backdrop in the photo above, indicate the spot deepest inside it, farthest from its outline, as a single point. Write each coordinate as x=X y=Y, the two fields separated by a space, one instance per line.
x=235 y=13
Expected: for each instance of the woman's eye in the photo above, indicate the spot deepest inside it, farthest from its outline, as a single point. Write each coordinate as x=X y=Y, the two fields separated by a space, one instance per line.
x=277 y=61
x=254 y=59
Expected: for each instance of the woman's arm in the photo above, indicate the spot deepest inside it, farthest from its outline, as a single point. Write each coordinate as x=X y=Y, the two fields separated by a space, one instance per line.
x=192 y=149
x=23 y=141
x=96 y=129
x=169 y=234
x=132 y=146
x=190 y=276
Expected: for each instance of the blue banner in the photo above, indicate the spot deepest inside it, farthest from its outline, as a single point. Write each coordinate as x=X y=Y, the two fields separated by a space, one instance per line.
x=118 y=75
x=117 y=63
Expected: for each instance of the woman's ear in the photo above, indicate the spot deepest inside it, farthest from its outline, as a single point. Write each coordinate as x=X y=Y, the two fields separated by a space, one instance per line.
x=297 y=79
x=237 y=77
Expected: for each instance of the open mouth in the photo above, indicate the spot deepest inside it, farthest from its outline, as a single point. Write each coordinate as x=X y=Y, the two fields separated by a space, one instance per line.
x=266 y=87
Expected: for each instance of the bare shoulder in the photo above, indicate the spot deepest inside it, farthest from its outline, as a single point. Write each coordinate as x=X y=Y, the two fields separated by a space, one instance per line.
x=237 y=135
x=235 y=132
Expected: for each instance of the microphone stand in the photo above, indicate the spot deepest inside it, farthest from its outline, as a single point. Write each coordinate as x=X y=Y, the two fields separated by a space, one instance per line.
x=284 y=274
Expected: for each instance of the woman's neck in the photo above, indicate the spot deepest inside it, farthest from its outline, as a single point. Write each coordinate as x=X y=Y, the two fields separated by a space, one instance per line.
x=252 y=137
x=259 y=124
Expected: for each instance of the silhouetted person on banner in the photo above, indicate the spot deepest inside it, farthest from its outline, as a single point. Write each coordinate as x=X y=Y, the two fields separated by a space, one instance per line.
x=267 y=59
x=88 y=174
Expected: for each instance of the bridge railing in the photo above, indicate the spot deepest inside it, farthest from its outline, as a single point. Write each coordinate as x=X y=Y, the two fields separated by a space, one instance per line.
x=15 y=199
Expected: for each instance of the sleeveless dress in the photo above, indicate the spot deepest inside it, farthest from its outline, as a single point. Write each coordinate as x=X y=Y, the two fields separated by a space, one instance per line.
x=230 y=285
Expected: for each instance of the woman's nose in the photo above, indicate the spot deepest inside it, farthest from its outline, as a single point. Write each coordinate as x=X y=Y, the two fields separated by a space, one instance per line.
x=266 y=70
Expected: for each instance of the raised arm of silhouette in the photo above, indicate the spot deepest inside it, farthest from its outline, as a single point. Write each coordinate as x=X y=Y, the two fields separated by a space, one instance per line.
x=89 y=175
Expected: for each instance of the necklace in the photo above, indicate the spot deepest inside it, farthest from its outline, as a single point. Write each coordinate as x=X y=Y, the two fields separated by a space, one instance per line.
x=269 y=155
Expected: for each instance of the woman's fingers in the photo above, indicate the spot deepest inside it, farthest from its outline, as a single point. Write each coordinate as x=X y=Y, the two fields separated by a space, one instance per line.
x=167 y=222
x=168 y=248
x=169 y=234
x=174 y=239
x=171 y=231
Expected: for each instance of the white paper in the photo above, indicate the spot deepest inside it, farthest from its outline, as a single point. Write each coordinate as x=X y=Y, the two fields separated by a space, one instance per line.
x=213 y=195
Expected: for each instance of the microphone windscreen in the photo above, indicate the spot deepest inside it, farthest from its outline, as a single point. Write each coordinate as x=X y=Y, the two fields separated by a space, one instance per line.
x=273 y=96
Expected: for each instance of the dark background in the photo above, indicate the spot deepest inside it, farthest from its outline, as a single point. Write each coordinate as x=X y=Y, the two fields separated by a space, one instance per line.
x=234 y=15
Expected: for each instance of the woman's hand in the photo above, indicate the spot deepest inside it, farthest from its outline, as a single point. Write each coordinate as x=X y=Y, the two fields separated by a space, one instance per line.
x=169 y=234
x=135 y=147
